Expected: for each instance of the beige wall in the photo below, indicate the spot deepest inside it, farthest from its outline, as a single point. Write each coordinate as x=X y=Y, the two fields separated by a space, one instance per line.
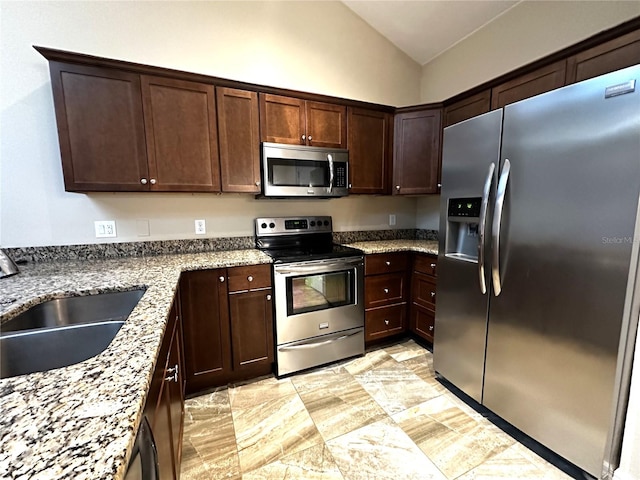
x=528 y=31
x=318 y=47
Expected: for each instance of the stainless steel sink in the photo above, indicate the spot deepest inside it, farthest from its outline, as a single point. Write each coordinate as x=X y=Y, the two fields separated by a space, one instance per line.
x=61 y=332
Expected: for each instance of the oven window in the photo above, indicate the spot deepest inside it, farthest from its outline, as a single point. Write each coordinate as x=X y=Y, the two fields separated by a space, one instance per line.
x=297 y=173
x=311 y=293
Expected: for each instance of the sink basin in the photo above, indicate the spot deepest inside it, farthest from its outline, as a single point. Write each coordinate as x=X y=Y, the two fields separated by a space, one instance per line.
x=61 y=332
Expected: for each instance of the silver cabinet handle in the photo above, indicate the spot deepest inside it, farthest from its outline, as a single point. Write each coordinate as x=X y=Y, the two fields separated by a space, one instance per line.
x=433 y=265
x=386 y=322
x=250 y=278
x=173 y=374
x=143 y=181
x=439 y=185
x=349 y=185
x=310 y=138
x=398 y=187
x=304 y=137
x=433 y=294
x=431 y=328
x=258 y=183
x=483 y=226
x=268 y=298
x=387 y=263
x=152 y=181
x=386 y=290
x=497 y=223
x=315 y=343
x=221 y=278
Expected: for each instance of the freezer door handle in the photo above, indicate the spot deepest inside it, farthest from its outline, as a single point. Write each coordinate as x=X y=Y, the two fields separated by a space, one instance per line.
x=483 y=225
x=497 y=221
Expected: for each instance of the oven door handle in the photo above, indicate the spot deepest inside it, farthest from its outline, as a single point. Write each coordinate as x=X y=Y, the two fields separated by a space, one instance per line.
x=316 y=267
x=316 y=344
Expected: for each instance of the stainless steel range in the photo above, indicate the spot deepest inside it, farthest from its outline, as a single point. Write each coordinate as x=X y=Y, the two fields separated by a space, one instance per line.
x=318 y=288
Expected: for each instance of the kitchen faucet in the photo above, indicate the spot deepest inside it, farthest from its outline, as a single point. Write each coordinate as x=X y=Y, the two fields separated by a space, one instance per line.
x=7 y=266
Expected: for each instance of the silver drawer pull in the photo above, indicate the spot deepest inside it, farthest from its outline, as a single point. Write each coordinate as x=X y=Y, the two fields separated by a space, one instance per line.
x=386 y=290
x=250 y=278
x=268 y=298
x=431 y=328
x=433 y=294
x=221 y=278
x=387 y=263
x=386 y=322
x=433 y=265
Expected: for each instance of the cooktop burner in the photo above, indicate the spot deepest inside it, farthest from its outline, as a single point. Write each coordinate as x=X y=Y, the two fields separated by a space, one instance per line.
x=299 y=239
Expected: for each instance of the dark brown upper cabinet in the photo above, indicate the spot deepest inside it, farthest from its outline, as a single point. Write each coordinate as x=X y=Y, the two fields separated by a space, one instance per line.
x=239 y=138
x=608 y=57
x=301 y=122
x=539 y=81
x=100 y=128
x=467 y=108
x=416 y=159
x=369 y=150
x=182 y=140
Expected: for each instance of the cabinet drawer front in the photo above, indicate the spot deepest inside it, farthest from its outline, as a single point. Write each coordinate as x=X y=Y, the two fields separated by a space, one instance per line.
x=385 y=321
x=385 y=263
x=250 y=277
x=382 y=290
x=424 y=290
x=427 y=264
x=422 y=322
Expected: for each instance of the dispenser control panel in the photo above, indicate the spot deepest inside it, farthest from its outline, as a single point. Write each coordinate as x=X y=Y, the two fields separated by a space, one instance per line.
x=464 y=207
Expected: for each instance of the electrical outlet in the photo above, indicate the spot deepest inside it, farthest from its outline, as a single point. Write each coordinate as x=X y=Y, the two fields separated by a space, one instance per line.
x=392 y=219
x=201 y=227
x=105 y=228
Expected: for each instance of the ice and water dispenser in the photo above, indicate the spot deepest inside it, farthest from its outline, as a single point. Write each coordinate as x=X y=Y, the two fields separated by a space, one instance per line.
x=463 y=217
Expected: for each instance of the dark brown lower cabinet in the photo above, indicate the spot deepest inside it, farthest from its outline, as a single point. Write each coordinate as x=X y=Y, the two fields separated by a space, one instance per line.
x=228 y=325
x=423 y=296
x=165 y=401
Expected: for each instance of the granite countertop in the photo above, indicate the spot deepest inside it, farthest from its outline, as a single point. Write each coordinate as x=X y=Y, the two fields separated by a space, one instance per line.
x=387 y=246
x=79 y=422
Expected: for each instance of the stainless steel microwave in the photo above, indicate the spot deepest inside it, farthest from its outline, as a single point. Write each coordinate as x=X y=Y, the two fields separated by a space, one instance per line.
x=300 y=171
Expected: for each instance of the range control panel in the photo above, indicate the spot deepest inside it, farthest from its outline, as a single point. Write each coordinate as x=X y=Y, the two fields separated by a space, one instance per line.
x=291 y=225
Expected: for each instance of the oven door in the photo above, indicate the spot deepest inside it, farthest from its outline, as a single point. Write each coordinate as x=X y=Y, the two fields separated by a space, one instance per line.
x=318 y=297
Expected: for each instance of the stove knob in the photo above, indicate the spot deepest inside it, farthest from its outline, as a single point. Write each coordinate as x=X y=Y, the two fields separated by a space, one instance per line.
x=313 y=224
x=263 y=225
x=326 y=223
x=272 y=225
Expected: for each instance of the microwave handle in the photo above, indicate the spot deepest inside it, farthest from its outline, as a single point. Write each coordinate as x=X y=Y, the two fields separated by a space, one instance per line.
x=330 y=158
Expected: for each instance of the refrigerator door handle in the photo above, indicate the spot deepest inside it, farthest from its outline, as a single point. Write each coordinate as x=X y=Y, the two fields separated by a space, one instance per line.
x=497 y=220
x=483 y=226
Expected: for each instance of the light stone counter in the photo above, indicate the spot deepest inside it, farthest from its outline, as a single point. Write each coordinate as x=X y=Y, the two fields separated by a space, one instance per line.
x=388 y=246
x=80 y=422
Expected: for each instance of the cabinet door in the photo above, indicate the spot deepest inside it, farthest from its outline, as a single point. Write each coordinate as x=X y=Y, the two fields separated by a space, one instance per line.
x=282 y=119
x=175 y=401
x=326 y=125
x=238 y=126
x=369 y=150
x=422 y=322
x=205 y=316
x=182 y=142
x=467 y=108
x=608 y=57
x=384 y=322
x=384 y=289
x=542 y=80
x=423 y=290
x=251 y=315
x=416 y=161
x=100 y=128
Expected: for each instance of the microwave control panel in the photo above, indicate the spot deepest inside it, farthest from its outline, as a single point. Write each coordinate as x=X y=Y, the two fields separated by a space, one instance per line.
x=340 y=180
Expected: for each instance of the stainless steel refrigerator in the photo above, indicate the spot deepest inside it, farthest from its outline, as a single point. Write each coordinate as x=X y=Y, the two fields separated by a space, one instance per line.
x=537 y=263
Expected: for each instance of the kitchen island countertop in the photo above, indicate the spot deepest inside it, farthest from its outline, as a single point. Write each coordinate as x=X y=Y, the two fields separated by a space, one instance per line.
x=79 y=422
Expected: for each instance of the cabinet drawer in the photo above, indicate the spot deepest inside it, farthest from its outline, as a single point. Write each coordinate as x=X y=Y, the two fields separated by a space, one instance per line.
x=382 y=290
x=252 y=277
x=385 y=263
x=424 y=290
x=385 y=321
x=422 y=322
x=426 y=264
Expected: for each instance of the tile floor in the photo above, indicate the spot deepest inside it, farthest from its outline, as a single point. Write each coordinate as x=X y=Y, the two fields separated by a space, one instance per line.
x=381 y=416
